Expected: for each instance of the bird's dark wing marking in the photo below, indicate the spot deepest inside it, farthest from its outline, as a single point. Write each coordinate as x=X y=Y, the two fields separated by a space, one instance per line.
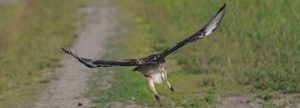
x=103 y=63
x=206 y=30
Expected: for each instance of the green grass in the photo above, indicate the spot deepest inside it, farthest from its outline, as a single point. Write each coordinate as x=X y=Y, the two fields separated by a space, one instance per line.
x=256 y=49
x=31 y=32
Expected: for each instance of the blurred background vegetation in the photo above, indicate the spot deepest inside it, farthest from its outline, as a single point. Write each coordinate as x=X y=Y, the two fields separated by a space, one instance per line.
x=255 y=50
x=31 y=32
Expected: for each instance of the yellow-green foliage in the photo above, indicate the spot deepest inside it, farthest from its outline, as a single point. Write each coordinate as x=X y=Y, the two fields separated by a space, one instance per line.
x=256 y=48
x=31 y=33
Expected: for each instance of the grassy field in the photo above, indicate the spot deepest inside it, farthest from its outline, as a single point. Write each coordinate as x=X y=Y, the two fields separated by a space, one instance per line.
x=31 y=33
x=256 y=50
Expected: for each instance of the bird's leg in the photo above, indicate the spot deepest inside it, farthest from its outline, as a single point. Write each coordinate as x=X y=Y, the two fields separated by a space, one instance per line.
x=168 y=83
x=152 y=87
x=170 y=86
x=163 y=71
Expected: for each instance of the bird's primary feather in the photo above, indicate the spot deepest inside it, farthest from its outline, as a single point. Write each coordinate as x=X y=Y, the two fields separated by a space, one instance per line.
x=102 y=63
x=212 y=25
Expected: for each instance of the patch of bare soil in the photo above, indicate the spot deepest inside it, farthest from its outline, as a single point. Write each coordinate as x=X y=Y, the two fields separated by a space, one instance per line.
x=69 y=89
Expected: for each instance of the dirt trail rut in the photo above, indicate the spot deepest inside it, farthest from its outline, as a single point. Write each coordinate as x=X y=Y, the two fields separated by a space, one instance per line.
x=68 y=90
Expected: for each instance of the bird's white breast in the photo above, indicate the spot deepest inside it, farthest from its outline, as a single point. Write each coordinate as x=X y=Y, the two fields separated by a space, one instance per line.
x=156 y=77
x=156 y=73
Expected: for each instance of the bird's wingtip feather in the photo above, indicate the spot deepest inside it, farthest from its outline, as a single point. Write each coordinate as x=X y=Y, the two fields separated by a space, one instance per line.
x=223 y=7
x=68 y=51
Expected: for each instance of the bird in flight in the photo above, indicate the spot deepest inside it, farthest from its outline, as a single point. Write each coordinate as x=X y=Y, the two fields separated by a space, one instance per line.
x=153 y=66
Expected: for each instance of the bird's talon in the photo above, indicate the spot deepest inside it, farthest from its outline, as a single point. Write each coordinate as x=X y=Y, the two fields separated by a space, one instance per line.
x=172 y=89
x=157 y=98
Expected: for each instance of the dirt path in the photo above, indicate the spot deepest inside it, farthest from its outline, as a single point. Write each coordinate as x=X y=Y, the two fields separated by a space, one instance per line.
x=5 y=2
x=68 y=90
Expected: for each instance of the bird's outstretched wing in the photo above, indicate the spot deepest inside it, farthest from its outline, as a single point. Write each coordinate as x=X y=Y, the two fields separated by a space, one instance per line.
x=103 y=63
x=155 y=58
x=206 y=30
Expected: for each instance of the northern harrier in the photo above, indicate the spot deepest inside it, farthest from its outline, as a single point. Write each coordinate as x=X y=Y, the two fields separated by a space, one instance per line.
x=153 y=66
